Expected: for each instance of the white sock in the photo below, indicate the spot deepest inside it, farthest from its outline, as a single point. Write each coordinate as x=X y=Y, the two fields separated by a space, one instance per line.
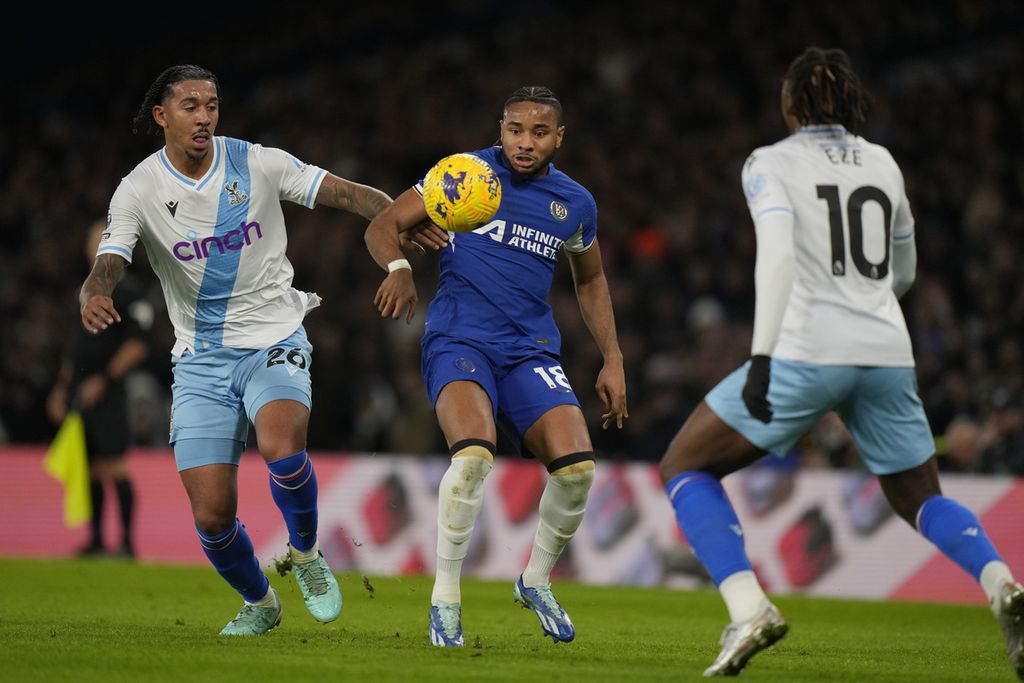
x=460 y=497
x=561 y=511
x=304 y=556
x=446 y=582
x=268 y=600
x=993 y=576
x=743 y=595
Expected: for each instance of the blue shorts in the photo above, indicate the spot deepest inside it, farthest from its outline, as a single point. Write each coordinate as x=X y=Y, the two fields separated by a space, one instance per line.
x=879 y=406
x=522 y=384
x=217 y=393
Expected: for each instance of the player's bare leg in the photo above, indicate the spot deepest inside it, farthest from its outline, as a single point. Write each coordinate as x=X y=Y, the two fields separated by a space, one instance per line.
x=560 y=441
x=705 y=450
x=465 y=415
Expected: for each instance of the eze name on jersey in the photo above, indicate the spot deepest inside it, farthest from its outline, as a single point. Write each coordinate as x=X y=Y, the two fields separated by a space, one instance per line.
x=842 y=155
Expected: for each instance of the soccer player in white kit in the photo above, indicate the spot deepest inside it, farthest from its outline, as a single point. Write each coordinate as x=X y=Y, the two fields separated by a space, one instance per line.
x=208 y=210
x=835 y=250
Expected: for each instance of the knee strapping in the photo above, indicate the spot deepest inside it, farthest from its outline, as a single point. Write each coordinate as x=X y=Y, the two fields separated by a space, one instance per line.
x=478 y=447
x=574 y=462
x=461 y=496
x=573 y=474
x=564 y=499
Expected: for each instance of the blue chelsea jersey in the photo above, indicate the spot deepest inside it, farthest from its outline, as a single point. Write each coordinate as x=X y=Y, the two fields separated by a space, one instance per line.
x=495 y=280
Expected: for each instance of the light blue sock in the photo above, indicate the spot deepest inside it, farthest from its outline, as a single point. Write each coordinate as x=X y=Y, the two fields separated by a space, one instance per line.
x=709 y=523
x=232 y=555
x=956 y=531
x=293 y=487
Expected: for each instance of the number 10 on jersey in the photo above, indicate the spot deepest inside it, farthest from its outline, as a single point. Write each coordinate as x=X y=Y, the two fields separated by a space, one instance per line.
x=854 y=209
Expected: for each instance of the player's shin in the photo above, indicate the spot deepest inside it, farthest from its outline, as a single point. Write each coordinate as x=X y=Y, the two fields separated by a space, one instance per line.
x=232 y=555
x=707 y=519
x=460 y=498
x=293 y=487
x=561 y=511
x=958 y=533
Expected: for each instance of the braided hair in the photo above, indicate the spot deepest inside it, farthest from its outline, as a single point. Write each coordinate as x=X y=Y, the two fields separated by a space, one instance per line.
x=161 y=89
x=825 y=89
x=538 y=94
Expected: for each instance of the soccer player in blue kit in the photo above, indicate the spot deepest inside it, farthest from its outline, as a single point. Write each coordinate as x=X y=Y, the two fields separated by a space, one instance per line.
x=208 y=209
x=491 y=350
x=829 y=334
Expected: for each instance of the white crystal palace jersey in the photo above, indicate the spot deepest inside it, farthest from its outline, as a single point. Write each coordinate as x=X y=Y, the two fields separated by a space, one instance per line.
x=218 y=243
x=849 y=205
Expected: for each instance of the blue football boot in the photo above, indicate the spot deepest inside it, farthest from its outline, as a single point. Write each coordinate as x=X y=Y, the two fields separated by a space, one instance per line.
x=553 y=619
x=446 y=625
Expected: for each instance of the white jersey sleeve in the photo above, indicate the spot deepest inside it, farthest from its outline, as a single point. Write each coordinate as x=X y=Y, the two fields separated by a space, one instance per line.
x=298 y=182
x=772 y=214
x=124 y=223
x=904 y=251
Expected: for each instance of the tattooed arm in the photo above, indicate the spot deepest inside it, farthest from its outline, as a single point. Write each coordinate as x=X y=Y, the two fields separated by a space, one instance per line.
x=97 y=307
x=344 y=194
x=368 y=202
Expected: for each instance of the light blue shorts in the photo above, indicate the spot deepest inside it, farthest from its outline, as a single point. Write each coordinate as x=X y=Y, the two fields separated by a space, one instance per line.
x=217 y=393
x=879 y=406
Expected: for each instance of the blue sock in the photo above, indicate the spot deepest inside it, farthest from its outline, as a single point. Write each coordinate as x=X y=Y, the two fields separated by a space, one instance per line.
x=293 y=486
x=709 y=523
x=232 y=554
x=956 y=531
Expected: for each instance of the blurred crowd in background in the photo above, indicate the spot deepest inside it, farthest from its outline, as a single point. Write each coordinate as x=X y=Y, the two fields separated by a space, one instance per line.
x=663 y=103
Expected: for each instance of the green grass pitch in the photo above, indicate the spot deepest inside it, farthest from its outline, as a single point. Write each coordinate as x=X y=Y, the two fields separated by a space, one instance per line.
x=96 y=620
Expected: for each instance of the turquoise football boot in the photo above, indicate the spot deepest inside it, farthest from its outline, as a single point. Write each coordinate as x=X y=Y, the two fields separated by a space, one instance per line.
x=253 y=620
x=319 y=588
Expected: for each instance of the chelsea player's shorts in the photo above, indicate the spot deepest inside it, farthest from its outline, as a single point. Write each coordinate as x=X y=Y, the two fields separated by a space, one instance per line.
x=522 y=384
x=879 y=406
x=218 y=392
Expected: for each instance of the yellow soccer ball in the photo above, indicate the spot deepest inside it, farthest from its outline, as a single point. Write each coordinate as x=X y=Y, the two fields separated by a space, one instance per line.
x=461 y=192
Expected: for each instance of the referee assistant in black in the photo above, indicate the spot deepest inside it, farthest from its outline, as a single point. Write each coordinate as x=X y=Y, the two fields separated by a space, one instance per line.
x=91 y=380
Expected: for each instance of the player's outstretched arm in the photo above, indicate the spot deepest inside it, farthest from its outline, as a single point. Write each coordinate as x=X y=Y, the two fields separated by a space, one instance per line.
x=343 y=194
x=369 y=202
x=596 y=307
x=398 y=291
x=97 y=308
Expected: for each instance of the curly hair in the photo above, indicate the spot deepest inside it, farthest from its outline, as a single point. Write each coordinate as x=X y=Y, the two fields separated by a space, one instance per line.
x=825 y=89
x=538 y=94
x=161 y=88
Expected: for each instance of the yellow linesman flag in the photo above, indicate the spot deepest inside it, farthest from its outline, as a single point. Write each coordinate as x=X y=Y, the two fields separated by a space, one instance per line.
x=67 y=462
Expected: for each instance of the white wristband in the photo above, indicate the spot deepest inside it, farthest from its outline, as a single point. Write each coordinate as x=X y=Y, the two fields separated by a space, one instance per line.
x=398 y=263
